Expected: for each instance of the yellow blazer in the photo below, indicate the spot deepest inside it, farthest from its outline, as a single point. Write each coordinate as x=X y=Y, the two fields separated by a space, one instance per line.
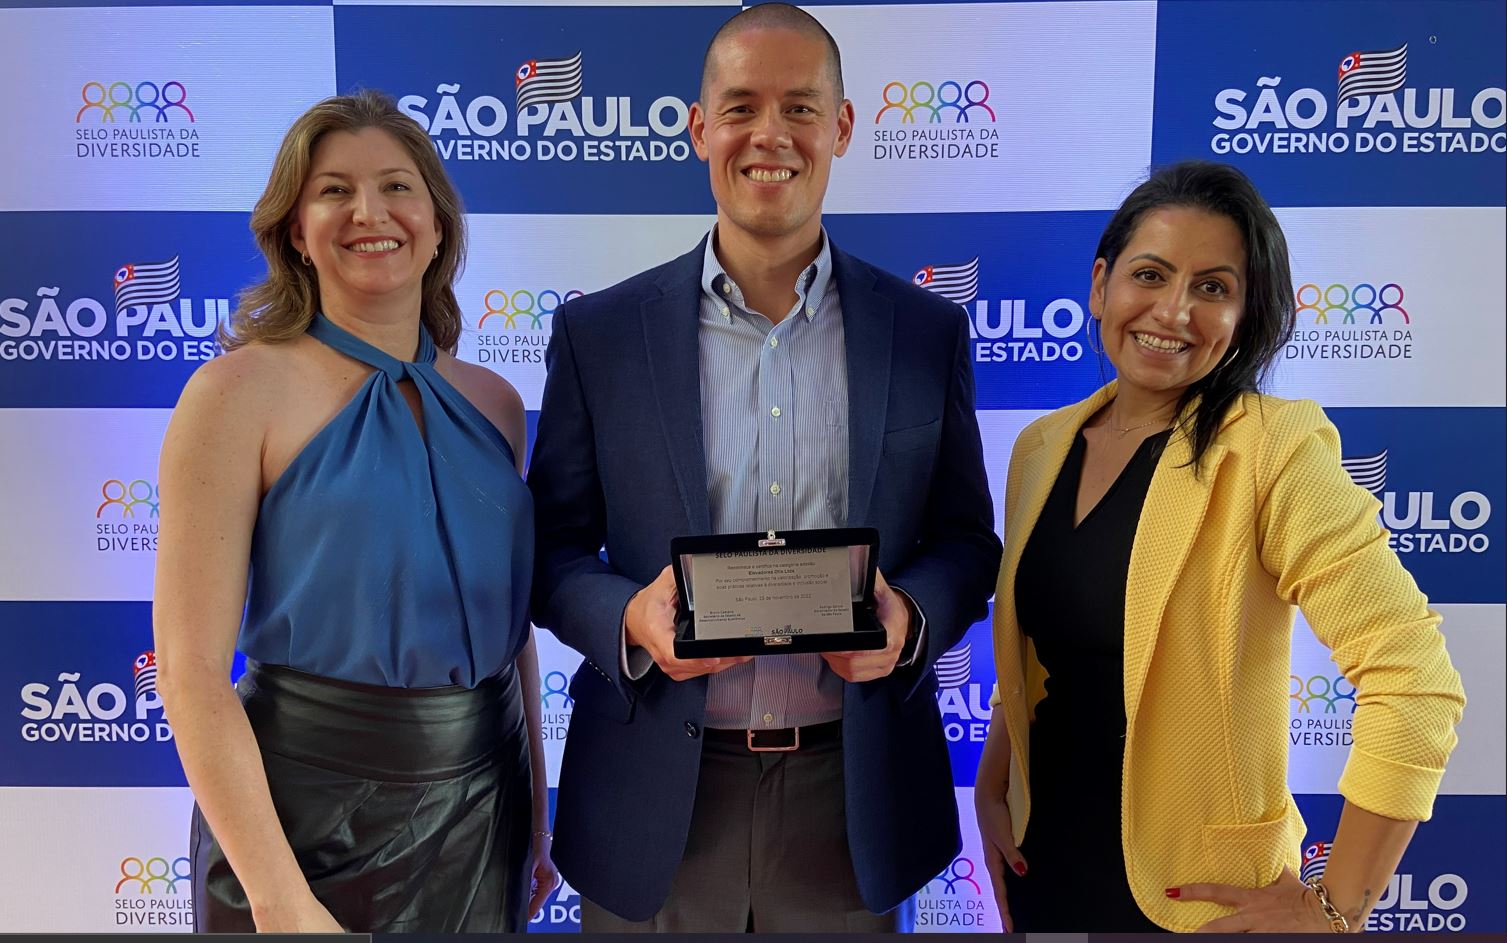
x=1218 y=563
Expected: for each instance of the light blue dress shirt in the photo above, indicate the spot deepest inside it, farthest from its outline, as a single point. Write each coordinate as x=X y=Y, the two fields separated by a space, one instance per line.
x=774 y=407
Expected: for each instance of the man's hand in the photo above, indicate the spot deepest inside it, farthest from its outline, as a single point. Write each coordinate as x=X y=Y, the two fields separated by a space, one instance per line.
x=649 y=623
x=894 y=614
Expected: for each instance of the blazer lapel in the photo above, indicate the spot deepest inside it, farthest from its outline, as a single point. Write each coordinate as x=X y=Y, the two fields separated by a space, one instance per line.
x=868 y=320
x=1039 y=454
x=1176 y=502
x=671 y=324
x=1038 y=471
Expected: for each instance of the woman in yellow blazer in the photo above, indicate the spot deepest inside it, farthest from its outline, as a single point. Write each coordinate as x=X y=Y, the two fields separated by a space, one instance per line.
x=1158 y=536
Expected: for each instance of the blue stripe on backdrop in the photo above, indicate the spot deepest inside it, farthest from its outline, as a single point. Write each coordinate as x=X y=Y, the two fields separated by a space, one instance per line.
x=532 y=418
x=1451 y=877
x=965 y=681
x=89 y=714
x=1441 y=475
x=913 y=3
x=1022 y=277
x=1255 y=82
x=620 y=147
x=64 y=341
x=87 y=708
x=1271 y=100
x=79 y=4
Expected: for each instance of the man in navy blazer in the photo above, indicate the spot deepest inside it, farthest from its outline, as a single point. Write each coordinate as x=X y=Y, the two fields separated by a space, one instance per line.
x=808 y=792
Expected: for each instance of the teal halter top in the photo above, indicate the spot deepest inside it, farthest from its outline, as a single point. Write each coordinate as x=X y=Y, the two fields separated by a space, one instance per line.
x=388 y=556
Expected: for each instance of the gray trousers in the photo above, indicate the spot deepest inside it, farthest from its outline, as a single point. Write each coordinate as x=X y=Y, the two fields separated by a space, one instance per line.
x=767 y=852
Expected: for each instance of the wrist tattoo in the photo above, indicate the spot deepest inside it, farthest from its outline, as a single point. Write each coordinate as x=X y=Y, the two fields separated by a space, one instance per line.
x=1360 y=912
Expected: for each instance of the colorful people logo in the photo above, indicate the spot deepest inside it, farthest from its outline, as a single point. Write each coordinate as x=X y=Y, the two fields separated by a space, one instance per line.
x=145 y=96
x=129 y=497
x=555 y=682
x=151 y=870
x=935 y=101
x=961 y=870
x=1330 y=691
x=511 y=306
x=1345 y=304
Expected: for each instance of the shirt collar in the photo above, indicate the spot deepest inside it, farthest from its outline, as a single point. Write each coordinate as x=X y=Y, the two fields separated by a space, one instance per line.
x=810 y=286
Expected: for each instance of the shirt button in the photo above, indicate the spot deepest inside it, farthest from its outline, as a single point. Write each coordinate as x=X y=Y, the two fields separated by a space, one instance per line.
x=775 y=412
x=774 y=342
x=727 y=289
x=690 y=730
x=810 y=312
x=768 y=718
x=774 y=488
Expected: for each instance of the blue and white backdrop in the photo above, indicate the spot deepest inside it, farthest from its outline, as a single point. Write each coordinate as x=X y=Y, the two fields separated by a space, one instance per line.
x=993 y=140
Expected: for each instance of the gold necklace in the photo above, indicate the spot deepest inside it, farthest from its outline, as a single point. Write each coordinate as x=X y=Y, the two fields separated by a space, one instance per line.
x=1122 y=433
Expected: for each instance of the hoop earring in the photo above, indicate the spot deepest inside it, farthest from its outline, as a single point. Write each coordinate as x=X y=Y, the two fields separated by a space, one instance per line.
x=306 y=259
x=1089 y=337
x=1229 y=360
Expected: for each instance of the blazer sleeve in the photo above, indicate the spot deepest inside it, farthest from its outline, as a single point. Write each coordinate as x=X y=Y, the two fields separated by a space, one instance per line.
x=1319 y=537
x=952 y=571
x=577 y=594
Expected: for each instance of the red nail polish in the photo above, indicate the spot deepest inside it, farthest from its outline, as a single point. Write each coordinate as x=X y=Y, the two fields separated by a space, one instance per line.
x=1174 y=892
x=1020 y=868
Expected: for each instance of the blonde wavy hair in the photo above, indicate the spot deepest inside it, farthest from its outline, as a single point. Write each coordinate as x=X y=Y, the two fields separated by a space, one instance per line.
x=280 y=307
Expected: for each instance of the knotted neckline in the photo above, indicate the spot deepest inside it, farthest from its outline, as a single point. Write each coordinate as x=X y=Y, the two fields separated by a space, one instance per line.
x=414 y=534
x=330 y=334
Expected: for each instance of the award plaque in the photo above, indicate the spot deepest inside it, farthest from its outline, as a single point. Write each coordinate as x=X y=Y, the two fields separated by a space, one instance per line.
x=776 y=593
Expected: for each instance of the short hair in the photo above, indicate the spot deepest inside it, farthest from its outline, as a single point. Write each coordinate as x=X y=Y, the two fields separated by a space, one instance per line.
x=282 y=305
x=774 y=16
x=1268 y=314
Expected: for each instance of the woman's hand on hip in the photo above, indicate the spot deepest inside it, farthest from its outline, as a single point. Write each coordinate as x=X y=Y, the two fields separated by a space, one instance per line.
x=1284 y=906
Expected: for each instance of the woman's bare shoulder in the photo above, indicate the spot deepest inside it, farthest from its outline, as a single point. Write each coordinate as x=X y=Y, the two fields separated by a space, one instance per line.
x=487 y=391
x=247 y=386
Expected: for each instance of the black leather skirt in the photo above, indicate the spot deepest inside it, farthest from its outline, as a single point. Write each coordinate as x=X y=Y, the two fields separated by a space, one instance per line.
x=407 y=809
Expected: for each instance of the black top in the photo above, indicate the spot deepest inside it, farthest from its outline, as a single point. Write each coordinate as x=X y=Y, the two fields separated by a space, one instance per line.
x=1070 y=600
x=1070 y=592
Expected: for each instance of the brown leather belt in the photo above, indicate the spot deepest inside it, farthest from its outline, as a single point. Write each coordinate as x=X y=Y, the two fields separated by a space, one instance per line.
x=780 y=739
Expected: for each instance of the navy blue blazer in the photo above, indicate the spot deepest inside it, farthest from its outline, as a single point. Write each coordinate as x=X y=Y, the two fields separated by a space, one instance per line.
x=619 y=463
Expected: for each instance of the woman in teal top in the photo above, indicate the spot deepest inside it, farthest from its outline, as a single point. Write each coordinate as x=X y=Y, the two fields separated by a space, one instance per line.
x=343 y=503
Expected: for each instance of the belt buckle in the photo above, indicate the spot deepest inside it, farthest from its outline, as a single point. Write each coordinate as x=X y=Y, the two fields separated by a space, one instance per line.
x=795 y=743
